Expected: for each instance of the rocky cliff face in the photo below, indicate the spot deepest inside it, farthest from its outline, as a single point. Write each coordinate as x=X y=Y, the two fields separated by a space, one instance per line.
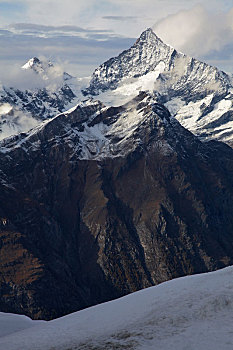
x=102 y=201
x=197 y=94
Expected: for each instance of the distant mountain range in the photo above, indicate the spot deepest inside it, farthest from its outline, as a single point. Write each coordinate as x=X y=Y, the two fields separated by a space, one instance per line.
x=198 y=95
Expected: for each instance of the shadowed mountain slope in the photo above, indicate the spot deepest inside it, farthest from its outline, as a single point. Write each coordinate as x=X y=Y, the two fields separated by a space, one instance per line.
x=103 y=201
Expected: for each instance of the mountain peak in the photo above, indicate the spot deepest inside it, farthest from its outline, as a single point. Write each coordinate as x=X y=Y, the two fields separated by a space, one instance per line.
x=148 y=54
x=37 y=65
x=149 y=35
x=191 y=89
x=31 y=63
x=43 y=67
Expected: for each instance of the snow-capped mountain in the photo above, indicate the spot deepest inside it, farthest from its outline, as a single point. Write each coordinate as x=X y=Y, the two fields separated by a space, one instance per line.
x=38 y=66
x=94 y=131
x=101 y=201
x=193 y=312
x=45 y=69
x=51 y=93
x=197 y=94
x=105 y=199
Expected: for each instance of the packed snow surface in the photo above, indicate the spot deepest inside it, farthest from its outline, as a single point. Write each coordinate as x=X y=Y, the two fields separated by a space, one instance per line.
x=189 y=313
x=130 y=88
x=10 y=323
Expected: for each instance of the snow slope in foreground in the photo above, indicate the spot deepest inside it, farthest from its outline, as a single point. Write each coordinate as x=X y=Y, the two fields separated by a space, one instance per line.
x=10 y=323
x=190 y=313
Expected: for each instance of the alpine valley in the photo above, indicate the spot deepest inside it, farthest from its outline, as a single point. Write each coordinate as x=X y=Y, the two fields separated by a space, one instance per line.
x=114 y=195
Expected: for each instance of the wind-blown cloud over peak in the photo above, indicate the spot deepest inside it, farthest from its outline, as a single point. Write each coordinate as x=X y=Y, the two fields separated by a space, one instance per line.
x=30 y=78
x=197 y=32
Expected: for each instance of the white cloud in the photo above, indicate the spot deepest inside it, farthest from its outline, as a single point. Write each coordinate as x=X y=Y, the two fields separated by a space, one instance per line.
x=197 y=32
x=15 y=122
x=27 y=79
x=90 y=13
x=5 y=108
x=55 y=12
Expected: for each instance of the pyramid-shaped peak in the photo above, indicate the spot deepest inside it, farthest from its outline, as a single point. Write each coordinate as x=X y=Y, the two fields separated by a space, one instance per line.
x=31 y=63
x=149 y=36
x=149 y=53
x=148 y=32
x=35 y=64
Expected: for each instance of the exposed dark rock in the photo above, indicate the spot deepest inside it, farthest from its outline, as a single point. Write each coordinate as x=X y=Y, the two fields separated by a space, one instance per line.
x=76 y=231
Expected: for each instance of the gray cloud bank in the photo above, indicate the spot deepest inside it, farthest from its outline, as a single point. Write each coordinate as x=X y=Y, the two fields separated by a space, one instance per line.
x=28 y=28
x=80 y=50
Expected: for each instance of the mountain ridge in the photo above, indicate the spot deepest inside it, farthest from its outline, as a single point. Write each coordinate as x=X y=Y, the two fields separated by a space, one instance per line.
x=84 y=230
x=103 y=200
x=198 y=95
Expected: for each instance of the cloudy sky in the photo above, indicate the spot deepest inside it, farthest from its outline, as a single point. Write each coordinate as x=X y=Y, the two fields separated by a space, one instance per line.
x=81 y=34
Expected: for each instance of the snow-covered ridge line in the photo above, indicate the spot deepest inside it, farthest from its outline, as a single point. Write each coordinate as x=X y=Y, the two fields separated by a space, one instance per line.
x=11 y=323
x=92 y=130
x=17 y=141
x=189 y=312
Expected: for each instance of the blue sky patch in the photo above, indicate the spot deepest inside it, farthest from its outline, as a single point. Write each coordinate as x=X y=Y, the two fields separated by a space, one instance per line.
x=12 y=11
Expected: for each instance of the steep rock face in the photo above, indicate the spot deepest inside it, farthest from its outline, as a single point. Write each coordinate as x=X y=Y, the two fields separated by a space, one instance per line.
x=101 y=201
x=143 y=57
x=179 y=74
x=197 y=94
